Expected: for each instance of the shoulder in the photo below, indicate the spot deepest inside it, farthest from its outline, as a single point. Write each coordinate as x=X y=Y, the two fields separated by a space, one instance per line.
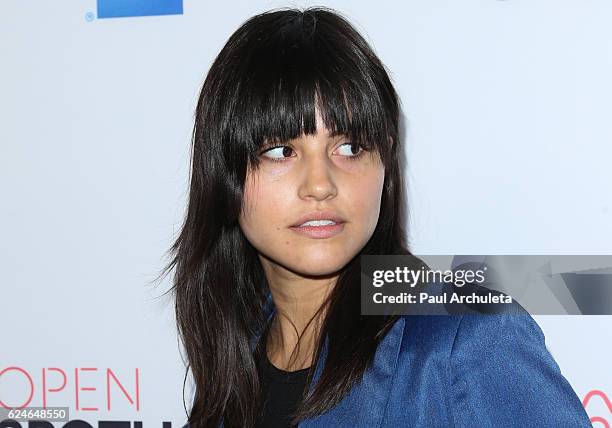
x=443 y=331
x=457 y=326
x=496 y=368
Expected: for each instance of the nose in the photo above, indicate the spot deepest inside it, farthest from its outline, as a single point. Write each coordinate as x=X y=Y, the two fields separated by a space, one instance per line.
x=317 y=181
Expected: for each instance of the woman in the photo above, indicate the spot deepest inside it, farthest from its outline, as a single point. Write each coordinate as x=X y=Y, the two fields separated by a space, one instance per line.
x=295 y=174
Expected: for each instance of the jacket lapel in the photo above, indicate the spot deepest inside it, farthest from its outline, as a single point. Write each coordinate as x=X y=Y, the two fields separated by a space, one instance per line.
x=366 y=403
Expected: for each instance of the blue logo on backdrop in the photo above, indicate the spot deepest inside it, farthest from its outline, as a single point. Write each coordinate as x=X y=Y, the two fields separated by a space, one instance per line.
x=124 y=8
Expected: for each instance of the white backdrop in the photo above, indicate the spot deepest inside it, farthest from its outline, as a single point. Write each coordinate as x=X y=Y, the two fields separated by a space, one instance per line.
x=507 y=107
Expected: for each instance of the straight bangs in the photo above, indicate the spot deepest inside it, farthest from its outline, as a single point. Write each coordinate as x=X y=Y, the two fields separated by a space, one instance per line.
x=303 y=66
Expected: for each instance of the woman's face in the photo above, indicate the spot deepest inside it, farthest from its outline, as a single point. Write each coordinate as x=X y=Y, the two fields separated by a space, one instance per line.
x=306 y=175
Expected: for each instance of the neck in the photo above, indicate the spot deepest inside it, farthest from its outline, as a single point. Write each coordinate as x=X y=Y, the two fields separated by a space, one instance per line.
x=297 y=300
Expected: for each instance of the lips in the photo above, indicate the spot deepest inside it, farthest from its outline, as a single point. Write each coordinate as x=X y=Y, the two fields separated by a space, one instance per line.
x=319 y=232
x=319 y=215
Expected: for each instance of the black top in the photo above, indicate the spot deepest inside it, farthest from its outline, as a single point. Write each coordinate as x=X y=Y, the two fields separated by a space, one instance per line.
x=281 y=392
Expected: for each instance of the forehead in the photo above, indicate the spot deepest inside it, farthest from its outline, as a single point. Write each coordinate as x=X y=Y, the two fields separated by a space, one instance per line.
x=321 y=130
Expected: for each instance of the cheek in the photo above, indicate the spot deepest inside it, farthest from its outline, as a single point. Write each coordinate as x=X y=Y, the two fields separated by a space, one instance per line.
x=262 y=209
x=250 y=207
x=367 y=194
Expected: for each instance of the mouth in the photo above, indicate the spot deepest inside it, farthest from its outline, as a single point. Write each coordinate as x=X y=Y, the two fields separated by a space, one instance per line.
x=319 y=219
x=319 y=229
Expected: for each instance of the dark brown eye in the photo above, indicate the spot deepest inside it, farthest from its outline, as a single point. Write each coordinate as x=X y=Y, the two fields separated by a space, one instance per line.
x=354 y=150
x=277 y=153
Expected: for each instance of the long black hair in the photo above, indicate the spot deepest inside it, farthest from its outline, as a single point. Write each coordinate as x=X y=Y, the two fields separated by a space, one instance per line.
x=265 y=84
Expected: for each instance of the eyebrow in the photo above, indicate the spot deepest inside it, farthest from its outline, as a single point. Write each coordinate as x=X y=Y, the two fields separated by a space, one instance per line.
x=330 y=135
x=337 y=133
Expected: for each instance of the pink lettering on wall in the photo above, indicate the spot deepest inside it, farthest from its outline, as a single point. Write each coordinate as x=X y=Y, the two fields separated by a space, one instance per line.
x=55 y=387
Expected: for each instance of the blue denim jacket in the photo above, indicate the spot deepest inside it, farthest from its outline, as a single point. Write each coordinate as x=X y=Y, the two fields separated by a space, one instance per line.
x=465 y=370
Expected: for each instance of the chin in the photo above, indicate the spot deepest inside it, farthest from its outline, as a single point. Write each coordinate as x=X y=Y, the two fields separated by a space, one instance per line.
x=318 y=268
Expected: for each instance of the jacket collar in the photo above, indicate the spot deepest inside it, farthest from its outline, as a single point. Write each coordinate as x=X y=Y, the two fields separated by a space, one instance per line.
x=366 y=402
x=269 y=309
